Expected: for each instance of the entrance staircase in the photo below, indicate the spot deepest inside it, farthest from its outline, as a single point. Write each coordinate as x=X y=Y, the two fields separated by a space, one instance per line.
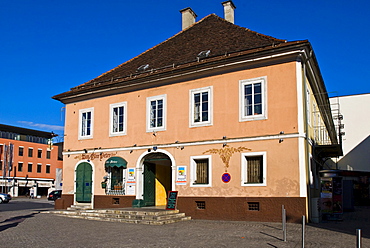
x=149 y=216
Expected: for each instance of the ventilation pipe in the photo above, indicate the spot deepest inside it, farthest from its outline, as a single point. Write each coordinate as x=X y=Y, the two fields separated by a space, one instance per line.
x=188 y=17
x=229 y=8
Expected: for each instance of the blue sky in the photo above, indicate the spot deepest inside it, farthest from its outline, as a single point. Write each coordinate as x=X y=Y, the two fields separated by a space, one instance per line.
x=48 y=47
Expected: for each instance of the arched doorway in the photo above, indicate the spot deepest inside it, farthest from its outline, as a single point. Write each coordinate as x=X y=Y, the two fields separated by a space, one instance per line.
x=157 y=178
x=83 y=183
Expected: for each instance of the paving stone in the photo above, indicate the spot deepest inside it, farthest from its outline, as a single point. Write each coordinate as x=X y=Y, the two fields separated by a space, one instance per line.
x=30 y=228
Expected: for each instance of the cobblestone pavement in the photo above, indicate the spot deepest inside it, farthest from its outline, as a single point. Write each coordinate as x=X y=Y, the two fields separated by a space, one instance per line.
x=20 y=227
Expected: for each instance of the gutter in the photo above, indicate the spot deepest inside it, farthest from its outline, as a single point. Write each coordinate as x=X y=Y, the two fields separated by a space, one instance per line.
x=189 y=73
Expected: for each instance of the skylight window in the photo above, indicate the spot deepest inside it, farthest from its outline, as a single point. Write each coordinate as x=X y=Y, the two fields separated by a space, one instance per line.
x=204 y=54
x=142 y=68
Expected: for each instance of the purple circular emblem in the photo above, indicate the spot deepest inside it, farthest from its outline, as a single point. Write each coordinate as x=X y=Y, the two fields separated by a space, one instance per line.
x=226 y=177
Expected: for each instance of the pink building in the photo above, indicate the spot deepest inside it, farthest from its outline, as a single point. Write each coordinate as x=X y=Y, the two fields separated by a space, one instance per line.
x=222 y=114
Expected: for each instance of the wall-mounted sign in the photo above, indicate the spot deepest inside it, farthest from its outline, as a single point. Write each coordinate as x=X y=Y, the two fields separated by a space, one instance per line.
x=171 y=200
x=181 y=175
x=93 y=156
x=226 y=177
x=131 y=176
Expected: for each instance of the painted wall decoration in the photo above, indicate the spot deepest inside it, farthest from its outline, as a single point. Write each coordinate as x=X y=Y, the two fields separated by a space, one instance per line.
x=226 y=152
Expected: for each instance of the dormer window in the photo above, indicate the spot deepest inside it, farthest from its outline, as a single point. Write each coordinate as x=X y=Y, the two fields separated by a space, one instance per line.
x=142 y=68
x=203 y=54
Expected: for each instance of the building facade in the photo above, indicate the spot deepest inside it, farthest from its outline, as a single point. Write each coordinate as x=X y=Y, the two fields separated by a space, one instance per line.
x=356 y=141
x=29 y=162
x=219 y=113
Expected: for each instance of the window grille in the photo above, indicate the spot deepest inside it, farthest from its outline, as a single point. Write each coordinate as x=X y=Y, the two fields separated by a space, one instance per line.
x=201 y=204
x=254 y=169
x=253 y=206
x=202 y=171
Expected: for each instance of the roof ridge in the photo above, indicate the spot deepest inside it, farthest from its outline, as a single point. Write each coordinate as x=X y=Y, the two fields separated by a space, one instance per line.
x=170 y=38
x=212 y=15
x=249 y=30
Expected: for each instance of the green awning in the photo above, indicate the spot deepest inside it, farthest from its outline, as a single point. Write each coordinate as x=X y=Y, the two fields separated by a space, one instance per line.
x=116 y=162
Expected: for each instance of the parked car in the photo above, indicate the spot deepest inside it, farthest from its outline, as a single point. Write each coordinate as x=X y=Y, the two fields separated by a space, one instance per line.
x=5 y=198
x=55 y=194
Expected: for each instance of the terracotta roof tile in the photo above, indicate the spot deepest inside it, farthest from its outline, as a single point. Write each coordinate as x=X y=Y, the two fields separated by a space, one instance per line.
x=211 y=33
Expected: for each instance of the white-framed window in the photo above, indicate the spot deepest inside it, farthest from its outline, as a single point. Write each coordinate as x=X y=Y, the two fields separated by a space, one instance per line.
x=201 y=107
x=118 y=119
x=253 y=99
x=201 y=171
x=116 y=181
x=253 y=168
x=86 y=123
x=156 y=113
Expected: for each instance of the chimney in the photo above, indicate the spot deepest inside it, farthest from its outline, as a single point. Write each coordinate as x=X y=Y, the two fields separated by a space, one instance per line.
x=188 y=17
x=229 y=8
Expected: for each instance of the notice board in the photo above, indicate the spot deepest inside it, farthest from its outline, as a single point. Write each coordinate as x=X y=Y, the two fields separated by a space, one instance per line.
x=171 y=200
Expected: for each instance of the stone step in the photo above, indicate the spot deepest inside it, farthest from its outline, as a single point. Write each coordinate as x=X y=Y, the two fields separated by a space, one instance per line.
x=80 y=206
x=151 y=217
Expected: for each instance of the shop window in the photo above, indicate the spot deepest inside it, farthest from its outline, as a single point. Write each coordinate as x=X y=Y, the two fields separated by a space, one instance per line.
x=115 y=181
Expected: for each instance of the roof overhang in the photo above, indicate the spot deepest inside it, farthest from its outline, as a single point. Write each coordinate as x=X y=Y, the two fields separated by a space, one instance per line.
x=248 y=59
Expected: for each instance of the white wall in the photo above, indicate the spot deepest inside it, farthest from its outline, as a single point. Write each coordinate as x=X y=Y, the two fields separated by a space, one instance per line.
x=356 y=119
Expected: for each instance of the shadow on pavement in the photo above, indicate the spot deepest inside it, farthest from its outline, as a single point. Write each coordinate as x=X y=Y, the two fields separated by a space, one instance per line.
x=358 y=219
x=14 y=221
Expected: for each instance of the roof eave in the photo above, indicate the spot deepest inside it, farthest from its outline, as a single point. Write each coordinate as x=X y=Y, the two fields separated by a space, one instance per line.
x=253 y=55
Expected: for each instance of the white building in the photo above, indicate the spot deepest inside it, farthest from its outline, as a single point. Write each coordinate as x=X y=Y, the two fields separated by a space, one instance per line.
x=355 y=110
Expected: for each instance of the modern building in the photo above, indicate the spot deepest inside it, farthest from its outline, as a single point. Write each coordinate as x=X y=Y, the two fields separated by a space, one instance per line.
x=29 y=161
x=355 y=130
x=219 y=113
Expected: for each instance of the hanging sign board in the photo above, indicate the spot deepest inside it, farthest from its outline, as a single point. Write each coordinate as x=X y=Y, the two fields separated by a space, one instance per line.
x=171 y=200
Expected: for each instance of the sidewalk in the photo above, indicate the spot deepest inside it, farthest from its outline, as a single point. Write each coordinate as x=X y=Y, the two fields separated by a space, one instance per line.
x=34 y=229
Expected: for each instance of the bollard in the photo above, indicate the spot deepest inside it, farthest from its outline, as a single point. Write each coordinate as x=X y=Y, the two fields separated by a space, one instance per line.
x=282 y=215
x=284 y=223
x=358 y=238
x=303 y=229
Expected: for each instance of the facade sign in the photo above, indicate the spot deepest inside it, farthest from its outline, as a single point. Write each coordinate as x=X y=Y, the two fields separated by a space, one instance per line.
x=131 y=181
x=226 y=177
x=131 y=177
x=93 y=156
x=181 y=175
x=171 y=200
